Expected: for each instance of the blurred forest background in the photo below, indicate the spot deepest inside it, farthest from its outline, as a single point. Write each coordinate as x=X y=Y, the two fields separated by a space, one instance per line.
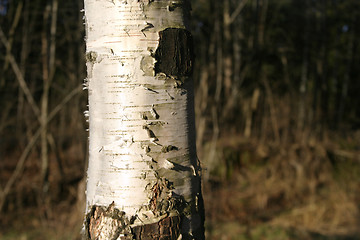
x=277 y=114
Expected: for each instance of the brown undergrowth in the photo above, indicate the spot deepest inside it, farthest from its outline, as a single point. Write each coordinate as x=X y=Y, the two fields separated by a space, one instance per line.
x=312 y=187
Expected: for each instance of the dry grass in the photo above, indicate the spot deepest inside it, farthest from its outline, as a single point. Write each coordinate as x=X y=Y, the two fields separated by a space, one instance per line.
x=292 y=186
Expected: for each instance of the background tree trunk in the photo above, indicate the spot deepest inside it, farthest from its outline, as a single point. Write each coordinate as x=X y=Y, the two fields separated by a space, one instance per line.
x=143 y=174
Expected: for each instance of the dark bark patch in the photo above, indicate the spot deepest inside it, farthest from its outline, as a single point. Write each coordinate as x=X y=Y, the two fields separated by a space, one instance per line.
x=169 y=148
x=166 y=229
x=91 y=56
x=174 y=55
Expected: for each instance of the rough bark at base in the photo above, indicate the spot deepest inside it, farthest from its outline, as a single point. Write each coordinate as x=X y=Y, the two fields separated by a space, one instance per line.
x=111 y=223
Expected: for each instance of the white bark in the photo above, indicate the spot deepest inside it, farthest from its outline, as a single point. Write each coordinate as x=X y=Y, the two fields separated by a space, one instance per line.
x=141 y=145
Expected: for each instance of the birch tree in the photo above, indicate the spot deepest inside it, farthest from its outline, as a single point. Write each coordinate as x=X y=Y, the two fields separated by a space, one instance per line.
x=143 y=174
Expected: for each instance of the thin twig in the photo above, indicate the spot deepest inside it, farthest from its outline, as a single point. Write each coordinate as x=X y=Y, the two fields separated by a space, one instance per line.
x=53 y=28
x=12 y=31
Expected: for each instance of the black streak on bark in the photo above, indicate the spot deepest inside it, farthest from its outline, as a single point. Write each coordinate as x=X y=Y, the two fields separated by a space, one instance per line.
x=174 y=55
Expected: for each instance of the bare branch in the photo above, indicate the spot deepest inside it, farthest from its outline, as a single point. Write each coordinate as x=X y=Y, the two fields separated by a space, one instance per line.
x=19 y=75
x=20 y=165
x=237 y=11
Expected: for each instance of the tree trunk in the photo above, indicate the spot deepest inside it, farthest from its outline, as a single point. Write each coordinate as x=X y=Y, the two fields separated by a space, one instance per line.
x=143 y=175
